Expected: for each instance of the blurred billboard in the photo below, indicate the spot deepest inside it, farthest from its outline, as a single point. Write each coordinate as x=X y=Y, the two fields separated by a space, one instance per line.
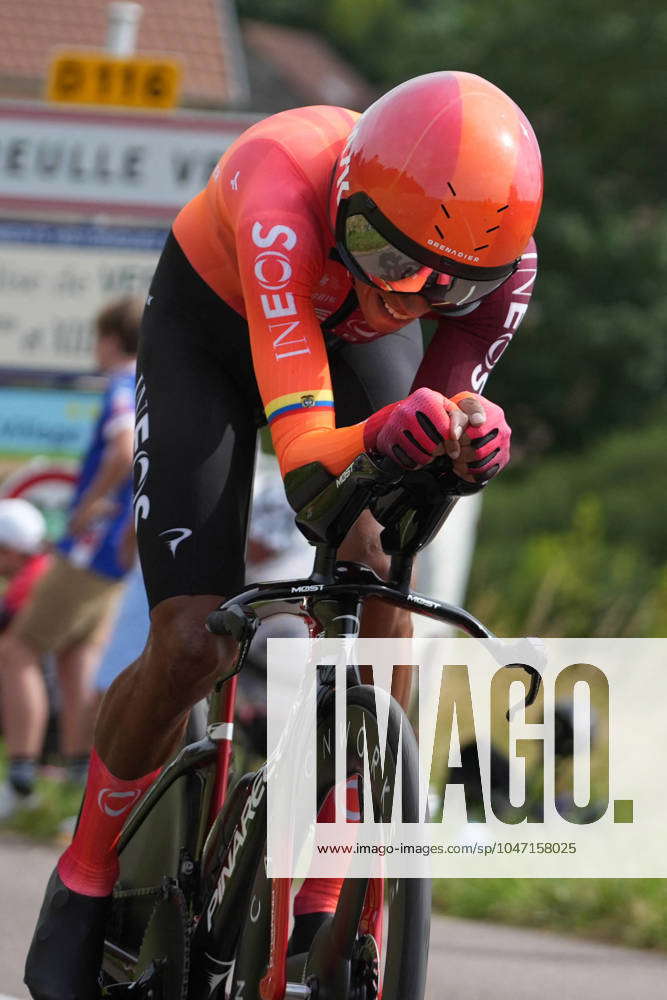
x=86 y=200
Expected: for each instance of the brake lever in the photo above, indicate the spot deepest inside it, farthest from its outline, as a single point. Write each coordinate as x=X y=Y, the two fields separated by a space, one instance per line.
x=528 y=654
x=533 y=690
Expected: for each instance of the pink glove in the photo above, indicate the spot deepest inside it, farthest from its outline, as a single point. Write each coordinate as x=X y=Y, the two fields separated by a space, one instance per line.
x=410 y=431
x=485 y=446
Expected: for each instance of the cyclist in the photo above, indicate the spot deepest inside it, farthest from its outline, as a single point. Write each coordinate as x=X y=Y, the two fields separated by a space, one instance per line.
x=291 y=284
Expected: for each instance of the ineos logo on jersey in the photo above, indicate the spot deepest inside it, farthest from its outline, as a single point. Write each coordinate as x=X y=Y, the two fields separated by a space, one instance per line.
x=273 y=260
x=142 y=504
x=274 y=233
x=116 y=803
x=481 y=372
x=515 y=313
x=273 y=271
x=141 y=464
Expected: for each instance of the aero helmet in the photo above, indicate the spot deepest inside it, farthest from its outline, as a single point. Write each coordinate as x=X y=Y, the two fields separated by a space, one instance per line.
x=438 y=189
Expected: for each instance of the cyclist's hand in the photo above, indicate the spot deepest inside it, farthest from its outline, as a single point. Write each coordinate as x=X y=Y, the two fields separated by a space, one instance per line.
x=413 y=431
x=485 y=445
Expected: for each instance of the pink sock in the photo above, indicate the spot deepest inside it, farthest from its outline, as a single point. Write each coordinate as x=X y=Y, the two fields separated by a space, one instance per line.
x=320 y=895
x=90 y=864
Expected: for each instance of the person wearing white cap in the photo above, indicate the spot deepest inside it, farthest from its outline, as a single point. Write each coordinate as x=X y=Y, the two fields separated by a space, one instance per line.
x=22 y=559
x=23 y=562
x=22 y=529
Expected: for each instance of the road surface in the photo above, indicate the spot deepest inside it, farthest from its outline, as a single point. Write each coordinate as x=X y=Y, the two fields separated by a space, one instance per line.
x=469 y=960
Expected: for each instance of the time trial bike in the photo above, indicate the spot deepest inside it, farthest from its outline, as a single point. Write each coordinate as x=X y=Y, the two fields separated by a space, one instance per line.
x=195 y=915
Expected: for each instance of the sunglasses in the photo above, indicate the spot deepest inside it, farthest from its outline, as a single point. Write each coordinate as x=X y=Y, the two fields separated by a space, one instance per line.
x=376 y=261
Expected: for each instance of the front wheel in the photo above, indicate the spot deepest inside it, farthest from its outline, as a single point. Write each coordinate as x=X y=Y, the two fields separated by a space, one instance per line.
x=346 y=960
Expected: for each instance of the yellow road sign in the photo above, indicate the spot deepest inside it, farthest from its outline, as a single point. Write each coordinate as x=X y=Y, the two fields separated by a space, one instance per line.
x=99 y=78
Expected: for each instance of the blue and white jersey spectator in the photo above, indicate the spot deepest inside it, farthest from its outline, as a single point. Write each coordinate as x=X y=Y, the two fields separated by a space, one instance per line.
x=96 y=548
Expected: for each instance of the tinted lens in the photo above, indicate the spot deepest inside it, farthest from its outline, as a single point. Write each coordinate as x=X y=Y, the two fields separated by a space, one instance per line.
x=390 y=269
x=381 y=262
x=460 y=292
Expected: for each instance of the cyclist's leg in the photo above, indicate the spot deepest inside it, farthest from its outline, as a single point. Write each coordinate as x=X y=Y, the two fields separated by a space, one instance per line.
x=194 y=466
x=145 y=710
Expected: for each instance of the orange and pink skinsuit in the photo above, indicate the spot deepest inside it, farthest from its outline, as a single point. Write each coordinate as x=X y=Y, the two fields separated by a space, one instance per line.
x=260 y=235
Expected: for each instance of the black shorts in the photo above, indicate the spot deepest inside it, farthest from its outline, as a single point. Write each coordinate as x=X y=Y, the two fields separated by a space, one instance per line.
x=198 y=411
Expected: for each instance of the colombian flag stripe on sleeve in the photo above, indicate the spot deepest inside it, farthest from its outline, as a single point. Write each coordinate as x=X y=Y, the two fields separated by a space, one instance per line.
x=314 y=399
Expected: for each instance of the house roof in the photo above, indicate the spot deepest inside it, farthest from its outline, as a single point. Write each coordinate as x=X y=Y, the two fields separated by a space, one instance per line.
x=290 y=66
x=201 y=33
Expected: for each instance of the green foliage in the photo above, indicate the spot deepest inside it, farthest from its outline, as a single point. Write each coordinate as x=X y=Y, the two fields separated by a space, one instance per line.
x=578 y=546
x=628 y=911
x=58 y=804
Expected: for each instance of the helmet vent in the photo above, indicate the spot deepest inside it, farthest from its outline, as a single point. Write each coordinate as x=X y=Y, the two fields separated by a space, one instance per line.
x=493 y=229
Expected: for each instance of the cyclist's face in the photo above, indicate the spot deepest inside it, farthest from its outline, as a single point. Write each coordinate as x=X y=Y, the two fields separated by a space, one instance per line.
x=387 y=312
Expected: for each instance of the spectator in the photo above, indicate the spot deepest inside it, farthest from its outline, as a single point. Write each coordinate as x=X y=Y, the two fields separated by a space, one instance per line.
x=71 y=607
x=22 y=557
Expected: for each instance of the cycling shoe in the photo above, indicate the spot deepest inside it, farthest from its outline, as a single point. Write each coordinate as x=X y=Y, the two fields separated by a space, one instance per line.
x=65 y=954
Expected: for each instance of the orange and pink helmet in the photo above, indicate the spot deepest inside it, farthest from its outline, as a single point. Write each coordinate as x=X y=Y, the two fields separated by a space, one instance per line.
x=438 y=189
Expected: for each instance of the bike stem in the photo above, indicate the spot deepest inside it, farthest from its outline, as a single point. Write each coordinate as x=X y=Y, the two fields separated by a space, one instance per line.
x=324 y=567
x=400 y=571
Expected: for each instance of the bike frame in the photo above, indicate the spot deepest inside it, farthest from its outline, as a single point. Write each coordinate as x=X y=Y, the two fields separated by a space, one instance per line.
x=330 y=601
